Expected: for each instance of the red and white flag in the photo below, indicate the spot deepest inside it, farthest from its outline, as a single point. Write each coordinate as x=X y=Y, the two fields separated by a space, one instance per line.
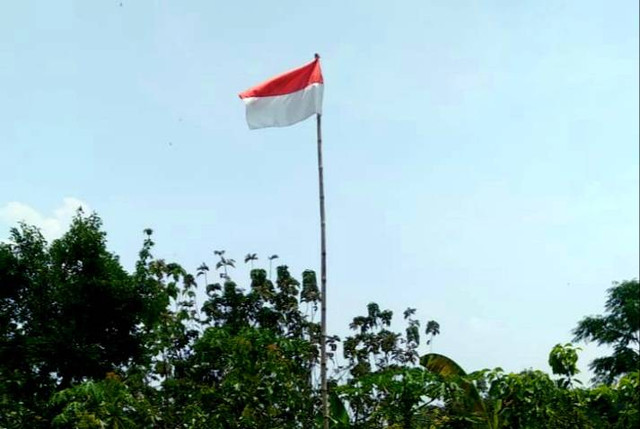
x=285 y=99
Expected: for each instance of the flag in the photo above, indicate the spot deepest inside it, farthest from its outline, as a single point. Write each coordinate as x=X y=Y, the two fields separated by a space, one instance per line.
x=285 y=99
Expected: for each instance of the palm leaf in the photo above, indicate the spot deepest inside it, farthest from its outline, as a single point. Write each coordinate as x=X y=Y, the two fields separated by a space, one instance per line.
x=338 y=415
x=450 y=371
x=441 y=365
x=338 y=411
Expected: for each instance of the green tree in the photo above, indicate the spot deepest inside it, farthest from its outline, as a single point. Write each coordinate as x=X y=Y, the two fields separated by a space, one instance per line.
x=252 y=379
x=95 y=310
x=252 y=365
x=531 y=399
x=459 y=392
x=101 y=404
x=563 y=361
x=68 y=312
x=386 y=387
x=25 y=295
x=170 y=327
x=618 y=328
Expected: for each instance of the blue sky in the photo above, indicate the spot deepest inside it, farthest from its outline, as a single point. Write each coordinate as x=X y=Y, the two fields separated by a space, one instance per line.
x=481 y=157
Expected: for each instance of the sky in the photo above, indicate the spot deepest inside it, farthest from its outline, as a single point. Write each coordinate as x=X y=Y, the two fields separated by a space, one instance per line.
x=481 y=157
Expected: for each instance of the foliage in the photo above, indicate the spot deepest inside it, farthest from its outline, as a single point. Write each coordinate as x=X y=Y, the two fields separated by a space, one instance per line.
x=618 y=328
x=457 y=389
x=103 y=404
x=531 y=399
x=386 y=386
x=68 y=312
x=252 y=379
x=563 y=361
x=250 y=363
x=85 y=344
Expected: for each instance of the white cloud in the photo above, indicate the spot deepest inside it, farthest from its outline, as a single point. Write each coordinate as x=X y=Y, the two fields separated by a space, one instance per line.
x=52 y=227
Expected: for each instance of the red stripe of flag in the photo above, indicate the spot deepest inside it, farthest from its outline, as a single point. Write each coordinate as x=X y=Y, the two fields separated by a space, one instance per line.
x=288 y=82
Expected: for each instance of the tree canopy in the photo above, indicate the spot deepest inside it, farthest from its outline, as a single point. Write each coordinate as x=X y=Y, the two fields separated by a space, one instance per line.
x=618 y=328
x=86 y=344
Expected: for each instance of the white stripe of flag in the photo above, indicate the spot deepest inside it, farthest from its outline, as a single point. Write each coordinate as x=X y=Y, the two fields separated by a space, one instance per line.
x=285 y=99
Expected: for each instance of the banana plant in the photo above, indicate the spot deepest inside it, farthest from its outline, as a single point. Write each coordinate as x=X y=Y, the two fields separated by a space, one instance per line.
x=338 y=414
x=464 y=397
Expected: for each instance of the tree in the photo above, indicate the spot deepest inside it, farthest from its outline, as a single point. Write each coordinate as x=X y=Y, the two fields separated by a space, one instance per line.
x=251 y=367
x=25 y=383
x=94 y=312
x=387 y=387
x=531 y=399
x=253 y=378
x=101 y=404
x=69 y=312
x=460 y=393
x=619 y=328
x=563 y=361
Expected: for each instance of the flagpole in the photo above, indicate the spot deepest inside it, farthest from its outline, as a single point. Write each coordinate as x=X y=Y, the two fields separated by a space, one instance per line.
x=323 y=282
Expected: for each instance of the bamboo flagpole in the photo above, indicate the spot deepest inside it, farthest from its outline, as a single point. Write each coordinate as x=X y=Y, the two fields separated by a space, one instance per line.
x=323 y=282
x=285 y=100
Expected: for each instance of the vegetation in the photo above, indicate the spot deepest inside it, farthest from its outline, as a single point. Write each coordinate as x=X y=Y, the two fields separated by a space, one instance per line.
x=85 y=344
x=618 y=328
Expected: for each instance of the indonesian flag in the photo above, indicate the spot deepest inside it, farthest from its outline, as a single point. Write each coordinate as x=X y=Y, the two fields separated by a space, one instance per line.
x=285 y=99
